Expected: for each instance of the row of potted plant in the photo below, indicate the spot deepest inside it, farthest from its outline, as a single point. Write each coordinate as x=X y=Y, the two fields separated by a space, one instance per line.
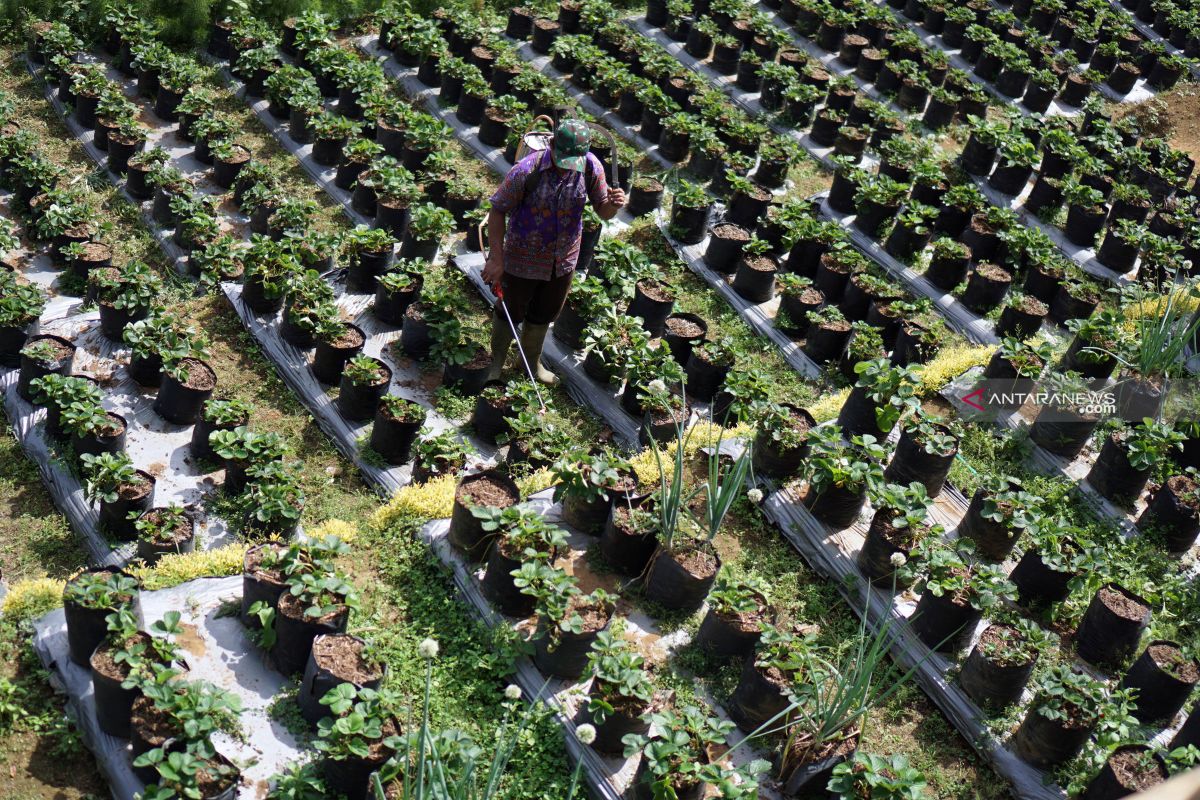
x=1112 y=180
x=141 y=690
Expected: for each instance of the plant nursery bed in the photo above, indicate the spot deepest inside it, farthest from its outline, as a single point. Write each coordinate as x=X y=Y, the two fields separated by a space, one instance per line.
x=610 y=777
x=603 y=400
x=749 y=102
x=428 y=97
x=1057 y=108
x=832 y=554
x=160 y=134
x=629 y=133
x=1085 y=257
x=153 y=444
x=760 y=317
x=494 y=157
x=294 y=367
x=217 y=650
x=962 y=319
x=1074 y=470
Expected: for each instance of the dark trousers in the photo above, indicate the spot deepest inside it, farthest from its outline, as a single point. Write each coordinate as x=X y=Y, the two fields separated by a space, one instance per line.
x=539 y=302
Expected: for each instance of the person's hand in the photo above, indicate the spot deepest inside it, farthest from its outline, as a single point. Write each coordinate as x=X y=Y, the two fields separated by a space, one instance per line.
x=493 y=268
x=616 y=197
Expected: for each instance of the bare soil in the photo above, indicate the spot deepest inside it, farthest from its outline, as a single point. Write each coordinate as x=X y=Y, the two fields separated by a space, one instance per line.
x=994 y=272
x=485 y=492
x=656 y=291
x=200 y=376
x=342 y=655
x=1171 y=660
x=1132 y=774
x=253 y=560
x=1121 y=605
x=683 y=328
x=350 y=338
x=730 y=232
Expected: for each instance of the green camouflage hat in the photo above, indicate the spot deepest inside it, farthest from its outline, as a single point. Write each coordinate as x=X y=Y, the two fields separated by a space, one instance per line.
x=571 y=142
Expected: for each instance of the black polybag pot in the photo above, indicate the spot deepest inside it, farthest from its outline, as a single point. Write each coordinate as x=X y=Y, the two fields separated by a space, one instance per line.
x=329 y=360
x=671 y=586
x=616 y=726
x=773 y=461
x=586 y=516
x=294 y=637
x=113 y=704
x=1178 y=521
x=652 y=312
x=910 y=462
x=350 y=777
x=114 y=517
x=724 y=637
x=857 y=414
x=838 y=507
x=255 y=589
x=1160 y=694
x=627 y=554
x=993 y=539
x=1109 y=784
x=1113 y=476
x=498 y=587
x=1038 y=583
x=941 y=623
x=393 y=439
x=569 y=658
x=319 y=680
x=1064 y=437
x=180 y=404
x=466 y=533
x=1103 y=635
x=1044 y=742
x=87 y=628
x=200 y=448
x=32 y=370
x=756 y=698
x=992 y=684
x=704 y=379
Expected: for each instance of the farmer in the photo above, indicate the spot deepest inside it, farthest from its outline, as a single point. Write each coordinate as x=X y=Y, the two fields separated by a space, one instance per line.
x=533 y=256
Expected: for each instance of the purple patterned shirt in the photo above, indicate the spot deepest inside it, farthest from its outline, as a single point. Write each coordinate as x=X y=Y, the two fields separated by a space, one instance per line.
x=544 y=230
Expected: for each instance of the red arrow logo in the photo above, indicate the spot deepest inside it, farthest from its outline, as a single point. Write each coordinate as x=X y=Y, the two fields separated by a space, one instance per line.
x=977 y=393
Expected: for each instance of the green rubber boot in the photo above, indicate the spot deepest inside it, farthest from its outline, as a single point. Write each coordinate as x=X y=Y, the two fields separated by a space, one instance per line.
x=502 y=339
x=532 y=339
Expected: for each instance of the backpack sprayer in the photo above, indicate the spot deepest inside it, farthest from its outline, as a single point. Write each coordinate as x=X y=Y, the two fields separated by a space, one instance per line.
x=537 y=141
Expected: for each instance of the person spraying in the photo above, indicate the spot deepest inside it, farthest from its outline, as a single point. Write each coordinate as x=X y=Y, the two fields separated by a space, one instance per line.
x=535 y=228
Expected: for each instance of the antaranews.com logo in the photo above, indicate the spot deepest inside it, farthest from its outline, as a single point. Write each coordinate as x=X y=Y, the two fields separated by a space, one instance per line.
x=1008 y=395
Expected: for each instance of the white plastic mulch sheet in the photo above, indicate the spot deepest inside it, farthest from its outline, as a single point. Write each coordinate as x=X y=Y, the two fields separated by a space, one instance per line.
x=408 y=381
x=609 y=776
x=603 y=400
x=759 y=316
x=217 y=650
x=749 y=102
x=961 y=318
x=153 y=444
